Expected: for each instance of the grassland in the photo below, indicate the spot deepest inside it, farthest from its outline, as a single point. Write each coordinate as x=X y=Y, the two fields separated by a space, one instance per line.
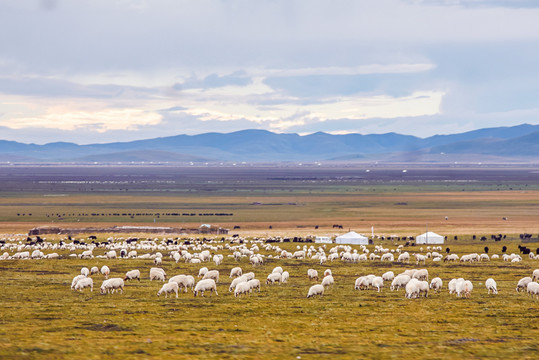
x=42 y=318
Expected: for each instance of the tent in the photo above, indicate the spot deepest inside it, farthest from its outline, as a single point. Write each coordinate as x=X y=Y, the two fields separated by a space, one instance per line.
x=352 y=238
x=429 y=238
x=323 y=240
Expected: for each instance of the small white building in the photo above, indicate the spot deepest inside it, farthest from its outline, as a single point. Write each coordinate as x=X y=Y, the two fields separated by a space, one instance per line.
x=429 y=238
x=352 y=238
x=323 y=240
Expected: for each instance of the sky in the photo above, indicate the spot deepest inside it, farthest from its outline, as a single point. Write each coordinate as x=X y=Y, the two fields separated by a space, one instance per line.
x=120 y=70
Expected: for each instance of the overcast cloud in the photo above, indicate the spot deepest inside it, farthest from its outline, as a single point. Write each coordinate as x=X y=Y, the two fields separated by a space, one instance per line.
x=118 y=70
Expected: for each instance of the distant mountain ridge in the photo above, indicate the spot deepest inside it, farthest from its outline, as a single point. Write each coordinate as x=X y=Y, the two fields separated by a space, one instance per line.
x=511 y=143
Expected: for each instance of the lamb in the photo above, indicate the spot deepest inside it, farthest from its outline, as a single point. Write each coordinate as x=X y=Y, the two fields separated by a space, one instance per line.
x=535 y=274
x=378 y=283
x=110 y=285
x=235 y=272
x=328 y=280
x=76 y=279
x=274 y=277
x=523 y=283
x=105 y=271
x=490 y=284
x=285 y=277
x=533 y=289
x=436 y=284
x=236 y=281
x=84 y=271
x=388 y=276
x=254 y=284
x=316 y=290
x=83 y=283
x=312 y=274
x=400 y=281
x=157 y=274
x=422 y=274
x=202 y=271
x=242 y=288
x=212 y=274
x=132 y=275
x=167 y=288
x=205 y=285
x=185 y=281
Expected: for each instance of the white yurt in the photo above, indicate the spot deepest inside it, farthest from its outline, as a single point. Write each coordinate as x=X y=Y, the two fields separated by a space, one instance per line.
x=429 y=238
x=352 y=238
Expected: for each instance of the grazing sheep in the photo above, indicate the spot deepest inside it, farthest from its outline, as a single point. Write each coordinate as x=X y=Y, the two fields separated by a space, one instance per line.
x=400 y=281
x=242 y=288
x=490 y=284
x=388 y=276
x=422 y=274
x=183 y=281
x=312 y=274
x=76 y=279
x=84 y=271
x=158 y=261
x=205 y=285
x=452 y=286
x=110 y=285
x=404 y=257
x=495 y=256
x=105 y=271
x=533 y=289
x=111 y=254
x=436 y=284
x=285 y=277
x=420 y=258
x=83 y=283
x=212 y=274
x=236 y=281
x=202 y=271
x=535 y=274
x=523 y=283
x=378 y=283
x=423 y=287
x=388 y=257
x=412 y=289
x=278 y=269
x=94 y=270
x=254 y=284
x=463 y=287
x=316 y=290
x=132 y=275
x=327 y=272
x=273 y=278
x=169 y=288
x=484 y=257
x=451 y=257
x=328 y=280
x=217 y=260
x=157 y=274
x=235 y=272
x=249 y=275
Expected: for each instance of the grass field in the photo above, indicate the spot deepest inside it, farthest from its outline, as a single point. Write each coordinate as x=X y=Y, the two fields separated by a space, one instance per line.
x=43 y=319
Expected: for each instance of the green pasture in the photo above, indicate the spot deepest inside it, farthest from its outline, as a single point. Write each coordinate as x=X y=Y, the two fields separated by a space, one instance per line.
x=41 y=318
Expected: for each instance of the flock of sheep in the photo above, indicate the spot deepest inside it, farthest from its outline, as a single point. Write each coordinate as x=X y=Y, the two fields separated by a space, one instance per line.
x=414 y=282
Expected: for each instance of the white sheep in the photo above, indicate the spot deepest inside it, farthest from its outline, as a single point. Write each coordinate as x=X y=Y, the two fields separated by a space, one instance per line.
x=490 y=284
x=423 y=287
x=132 y=275
x=158 y=261
x=328 y=280
x=105 y=271
x=412 y=289
x=312 y=274
x=378 y=283
x=254 y=284
x=452 y=286
x=404 y=257
x=235 y=272
x=285 y=277
x=94 y=270
x=388 y=276
x=523 y=283
x=157 y=274
x=202 y=271
x=533 y=289
x=205 y=285
x=388 y=257
x=420 y=258
x=184 y=281
x=278 y=269
x=236 y=281
x=76 y=279
x=535 y=274
x=242 y=288
x=422 y=274
x=111 y=254
x=436 y=284
x=212 y=274
x=316 y=290
x=167 y=288
x=400 y=281
x=83 y=283
x=273 y=278
x=327 y=272
x=110 y=285
x=84 y=271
